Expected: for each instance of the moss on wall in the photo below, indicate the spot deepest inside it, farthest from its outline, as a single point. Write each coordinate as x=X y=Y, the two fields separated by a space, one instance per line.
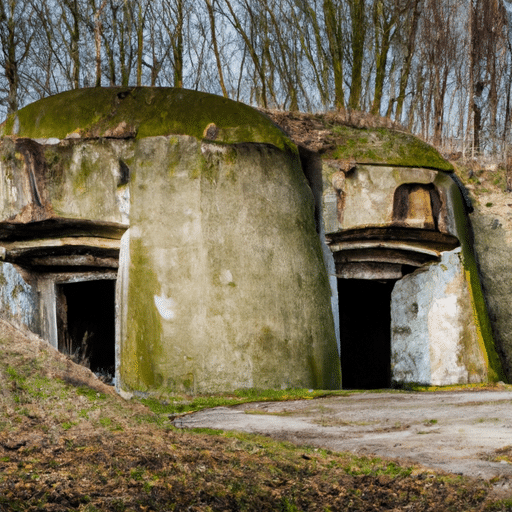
x=261 y=228
x=144 y=329
x=479 y=305
x=143 y=112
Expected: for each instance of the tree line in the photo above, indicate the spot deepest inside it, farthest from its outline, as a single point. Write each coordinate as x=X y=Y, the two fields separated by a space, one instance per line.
x=441 y=68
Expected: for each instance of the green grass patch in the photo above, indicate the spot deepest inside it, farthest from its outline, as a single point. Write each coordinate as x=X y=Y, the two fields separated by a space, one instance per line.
x=90 y=393
x=501 y=505
x=375 y=467
x=68 y=424
x=184 y=404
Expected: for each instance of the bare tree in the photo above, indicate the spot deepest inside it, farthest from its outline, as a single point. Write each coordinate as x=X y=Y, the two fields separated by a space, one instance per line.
x=16 y=34
x=357 y=45
x=97 y=38
x=410 y=27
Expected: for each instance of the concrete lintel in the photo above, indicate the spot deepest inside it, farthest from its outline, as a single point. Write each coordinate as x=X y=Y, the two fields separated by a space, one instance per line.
x=86 y=260
x=63 y=252
x=47 y=243
x=60 y=228
x=344 y=246
x=369 y=270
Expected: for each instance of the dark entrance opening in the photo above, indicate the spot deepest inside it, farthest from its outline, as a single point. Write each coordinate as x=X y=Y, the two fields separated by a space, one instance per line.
x=365 y=333
x=86 y=324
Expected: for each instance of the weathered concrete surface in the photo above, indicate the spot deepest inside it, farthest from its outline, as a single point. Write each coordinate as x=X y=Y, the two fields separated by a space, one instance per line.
x=72 y=179
x=19 y=301
x=434 y=338
x=226 y=284
x=380 y=223
x=493 y=243
x=364 y=196
x=138 y=112
x=453 y=431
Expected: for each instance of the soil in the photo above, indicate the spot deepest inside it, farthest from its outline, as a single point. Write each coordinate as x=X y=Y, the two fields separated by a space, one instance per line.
x=69 y=442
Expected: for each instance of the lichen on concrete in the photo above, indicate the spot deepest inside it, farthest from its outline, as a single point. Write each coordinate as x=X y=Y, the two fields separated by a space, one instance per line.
x=242 y=298
x=141 y=346
x=479 y=304
x=360 y=138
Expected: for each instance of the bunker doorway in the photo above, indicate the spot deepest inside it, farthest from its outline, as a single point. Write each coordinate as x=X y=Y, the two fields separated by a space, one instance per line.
x=86 y=324
x=365 y=333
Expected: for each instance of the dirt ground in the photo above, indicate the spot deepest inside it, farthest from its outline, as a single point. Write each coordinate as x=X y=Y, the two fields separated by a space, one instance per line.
x=464 y=432
x=69 y=442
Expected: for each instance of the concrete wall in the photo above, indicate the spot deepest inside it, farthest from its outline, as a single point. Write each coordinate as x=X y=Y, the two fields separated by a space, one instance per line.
x=493 y=244
x=222 y=281
x=19 y=300
x=434 y=336
x=73 y=179
x=440 y=331
x=364 y=195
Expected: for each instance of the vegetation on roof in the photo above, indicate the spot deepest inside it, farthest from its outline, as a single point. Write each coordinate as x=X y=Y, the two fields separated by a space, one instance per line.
x=360 y=137
x=125 y=112
x=386 y=146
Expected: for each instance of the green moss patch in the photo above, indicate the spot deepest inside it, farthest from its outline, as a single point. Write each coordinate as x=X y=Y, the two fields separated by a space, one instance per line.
x=144 y=327
x=384 y=146
x=143 y=112
x=479 y=305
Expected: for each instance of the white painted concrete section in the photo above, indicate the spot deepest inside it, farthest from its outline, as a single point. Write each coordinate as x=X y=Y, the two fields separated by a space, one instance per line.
x=433 y=338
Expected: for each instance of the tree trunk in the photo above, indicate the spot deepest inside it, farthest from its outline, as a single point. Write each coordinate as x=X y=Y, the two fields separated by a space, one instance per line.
x=358 y=34
x=97 y=41
x=178 y=47
x=383 y=28
x=409 y=53
x=211 y=16
x=509 y=171
x=75 y=39
x=140 y=44
x=333 y=30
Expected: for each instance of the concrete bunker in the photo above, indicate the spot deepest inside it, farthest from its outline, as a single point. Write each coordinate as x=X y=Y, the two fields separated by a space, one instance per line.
x=168 y=193
x=369 y=260
x=238 y=259
x=409 y=299
x=69 y=270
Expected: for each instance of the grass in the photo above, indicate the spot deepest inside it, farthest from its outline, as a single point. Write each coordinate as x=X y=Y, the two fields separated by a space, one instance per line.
x=91 y=394
x=421 y=388
x=67 y=447
x=482 y=181
x=180 y=404
x=173 y=405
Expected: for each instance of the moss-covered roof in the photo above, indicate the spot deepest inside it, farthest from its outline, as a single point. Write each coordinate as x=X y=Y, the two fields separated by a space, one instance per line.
x=385 y=146
x=143 y=112
x=364 y=139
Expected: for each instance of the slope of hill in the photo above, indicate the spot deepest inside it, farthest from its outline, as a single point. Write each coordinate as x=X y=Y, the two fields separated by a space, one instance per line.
x=68 y=442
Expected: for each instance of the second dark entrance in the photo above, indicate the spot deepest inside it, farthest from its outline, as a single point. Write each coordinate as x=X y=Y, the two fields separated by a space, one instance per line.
x=365 y=325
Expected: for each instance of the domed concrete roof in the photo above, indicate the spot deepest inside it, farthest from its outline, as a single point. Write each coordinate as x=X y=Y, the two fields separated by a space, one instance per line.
x=136 y=112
